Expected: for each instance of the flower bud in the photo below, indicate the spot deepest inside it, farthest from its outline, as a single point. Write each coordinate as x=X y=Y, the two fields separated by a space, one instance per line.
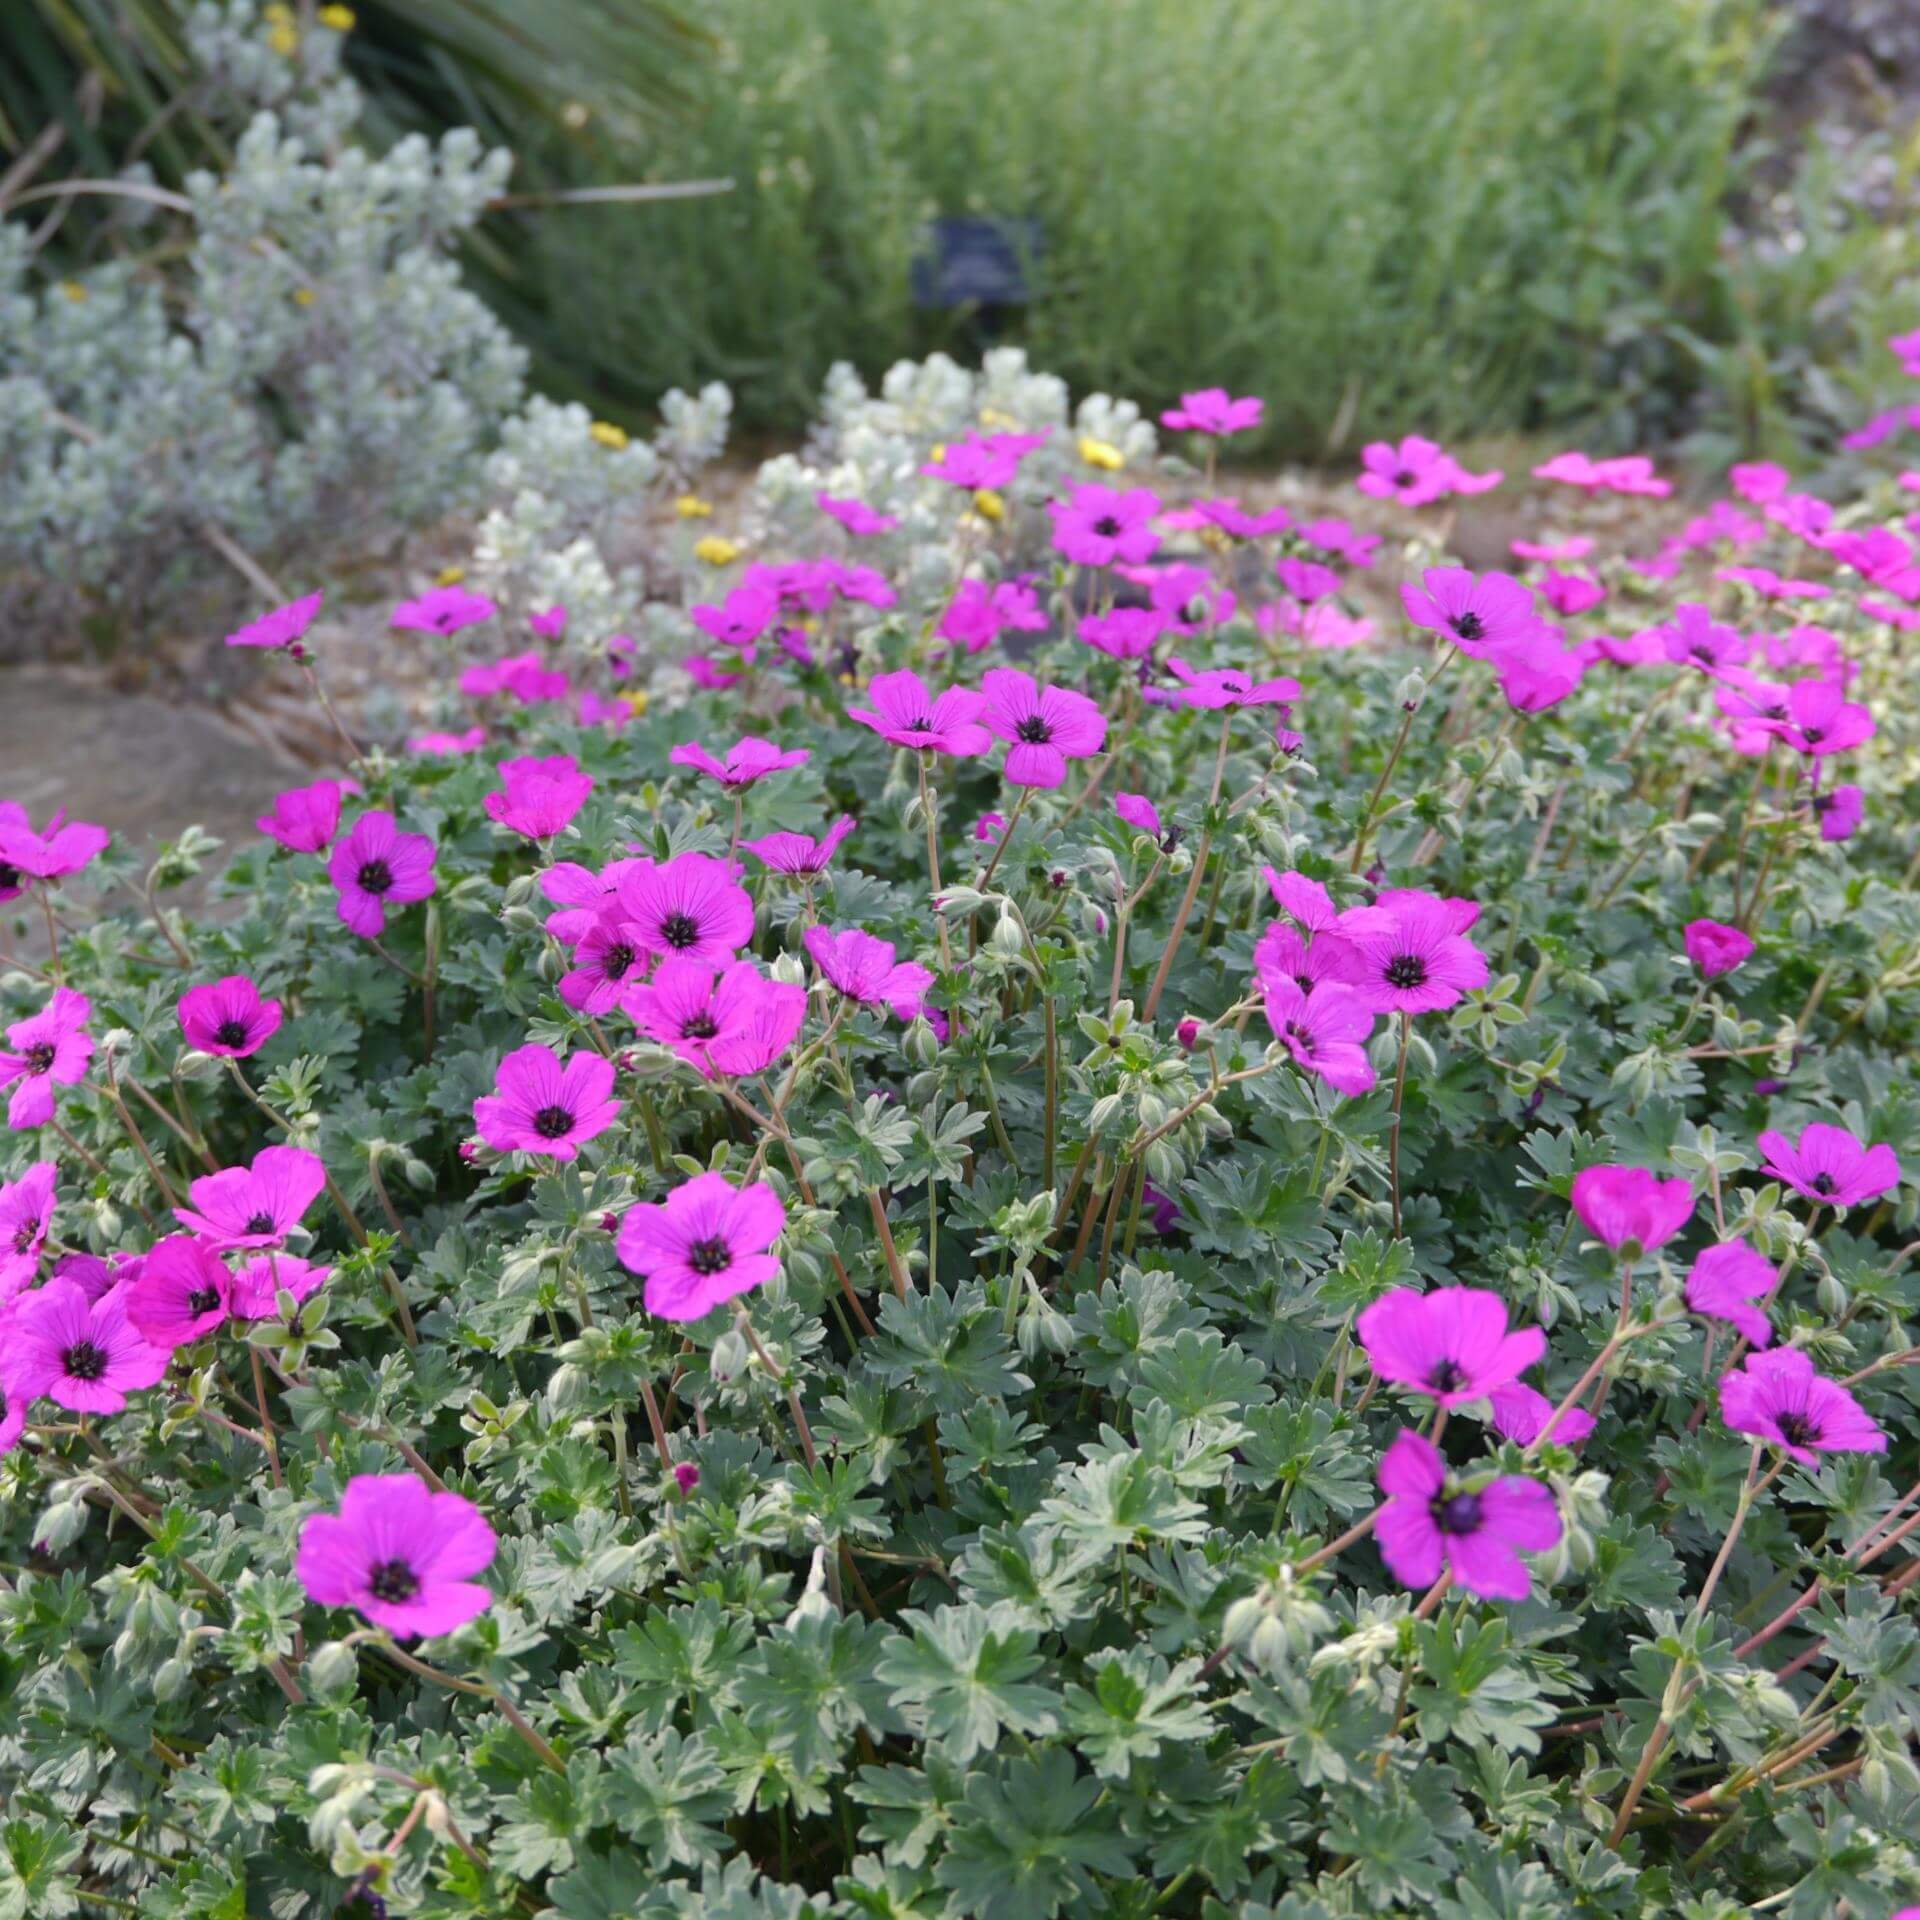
x=1188 y=1033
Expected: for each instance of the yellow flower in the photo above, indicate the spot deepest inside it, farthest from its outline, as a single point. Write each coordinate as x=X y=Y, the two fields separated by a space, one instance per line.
x=283 y=32
x=690 y=506
x=635 y=702
x=340 y=19
x=1101 y=453
x=716 y=550
x=449 y=576
x=73 y=290
x=608 y=434
x=303 y=296
x=990 y=504
x=993 y=417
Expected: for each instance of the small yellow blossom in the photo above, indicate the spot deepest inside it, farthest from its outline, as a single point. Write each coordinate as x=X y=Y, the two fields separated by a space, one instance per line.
x=635 y=702
x=303 y=296
x=73 y=290
x=283 y=31
x=717 y=550
x=989 y=503
x=449 y=576
x=340 y=19
x=995 y=418
x=1101 y=453
x=690 y=506
x=608 y=434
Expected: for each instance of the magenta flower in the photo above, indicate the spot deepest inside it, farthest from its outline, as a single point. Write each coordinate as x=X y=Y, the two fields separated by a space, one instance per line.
x=1430 y=1525
x=740 y=619
x=260 y=1282
x=978 y=614
x=1342 y=539
x=692 y=905
x=978 y=461
x=1452 y=1343
x=1714 y=947
x=65 y=847
x=48 y=1048
x=748 y=759
x=705 y=1243
x=1821 y=720
x=1096 y=525
x=1695 y=638
x=1416 y=473
x=81 y=1354
x=443 y=610
x=1479 y=612
x=1630 y=474
x=1759 y=481
x=1840 y=812
x=907 y=715
x=280 y=628
x=1187 y=597
x=800 y=853
x=863 y=968
x=524 y=675
x=1305 y=902
x=1127 y=633
x=1571 y=593
x=582 y=895
x=376 y=867
x=256 y=1206
x=399 y=1553
x=1773 y=586
x=1231 y=518
x=1778 y=1396
x=733 y=1022
x=540 y=1106
x=1830 y=1166
x=1307 y=580
x=1139 y=812
x=605 y=959
x=1044 y=727
x=856 y=516
x=1523 y=1415
x=1284 y=956
x=182 y=1292
x=304 y=819
x=26 y=1212
x=1413 y=954
x=1629 y=1209
x=448 y=746
x=550 y=625
x=228 y=1017
x=539 y=797
x=1219 y=687
x=1724 y=1282
x=1213 y=410
x=1540 y=670
x=1326 y=1032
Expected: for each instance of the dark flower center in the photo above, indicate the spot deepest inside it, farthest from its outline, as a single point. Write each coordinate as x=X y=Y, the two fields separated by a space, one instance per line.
x=1406 y=970
x=1813 y=735
x=231 y=1033
x=699 y=1026
x=1107 y=527
x=1300 y=1036
x=40 y=1058
x=710 y=1256
x=9 y=876
x=375 y=876
x=1799 y=1429
x=1468 y=625
x=550 y=1123
x=202 y=1300
x=393 y=1581
x=84 y=1361
x=1703 y=653
x=1823 y=1183
x=1448 y=1376
x=260 y=1223
x=680 y=930
x=917 y=726
x=24 y=1239
x=1459 y=1515
x=1405 y=477
x=618 y=960
x=1033 y=730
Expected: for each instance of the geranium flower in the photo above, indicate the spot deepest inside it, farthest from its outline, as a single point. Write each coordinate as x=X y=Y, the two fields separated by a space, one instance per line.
x=1417 y=472
x=1186 y=596
x=748 y=759
x=258 y=1285
x=305 y=819
x=1724 y=1282
x=550 y=625
x=1778 y=1396
x=799 y=853
x=443 y=610
x=1575 y=547
x=1630 y=474
x=1139 y=812
x=1452 y=1343
x=183 y=1291
x=863 y=967
x=1219 y=687
x=1305 y=902
x=1325 y=1032
x=1714 y=947
x=735 y=1021
x=539 y=797
x=1126 y=633
x=1479 y=612
x=1773 y=586
x=605 y=959
x=978 y=614
x=1522 y=1414
x=1231 y=518
x=1694 y=638
x=81 y=1354
x=1342 y=539
x=1539 y=671
x=1095 y=525
x=1629 y=1209
x=1759 y=481
x=740 y=619
x=1829 y=1165
x=47 y=1049
x=376 y=867
x=705 y=1243
x=280 y=628
x=258 y=1205
x=582 y=895
x=1840 y=812
x=228 y=1017
x=540 y=1106
x=399 y=1553
x=524 y=675
x=1821 y=720
x=907 y=715
x=1307 y=580
x=1213 y=410
x=448 y=746
x=65 y=847
x=26 y=1213
x=1283 y=955
x=692 y=905
x=1425 y=1529
x=1413 y=953
x=1571 y=593
x=1044 y=727
x=978 y=462
x=856 y=516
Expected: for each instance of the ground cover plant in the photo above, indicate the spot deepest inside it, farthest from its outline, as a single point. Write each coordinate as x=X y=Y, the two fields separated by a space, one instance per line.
x=1008 y=1211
